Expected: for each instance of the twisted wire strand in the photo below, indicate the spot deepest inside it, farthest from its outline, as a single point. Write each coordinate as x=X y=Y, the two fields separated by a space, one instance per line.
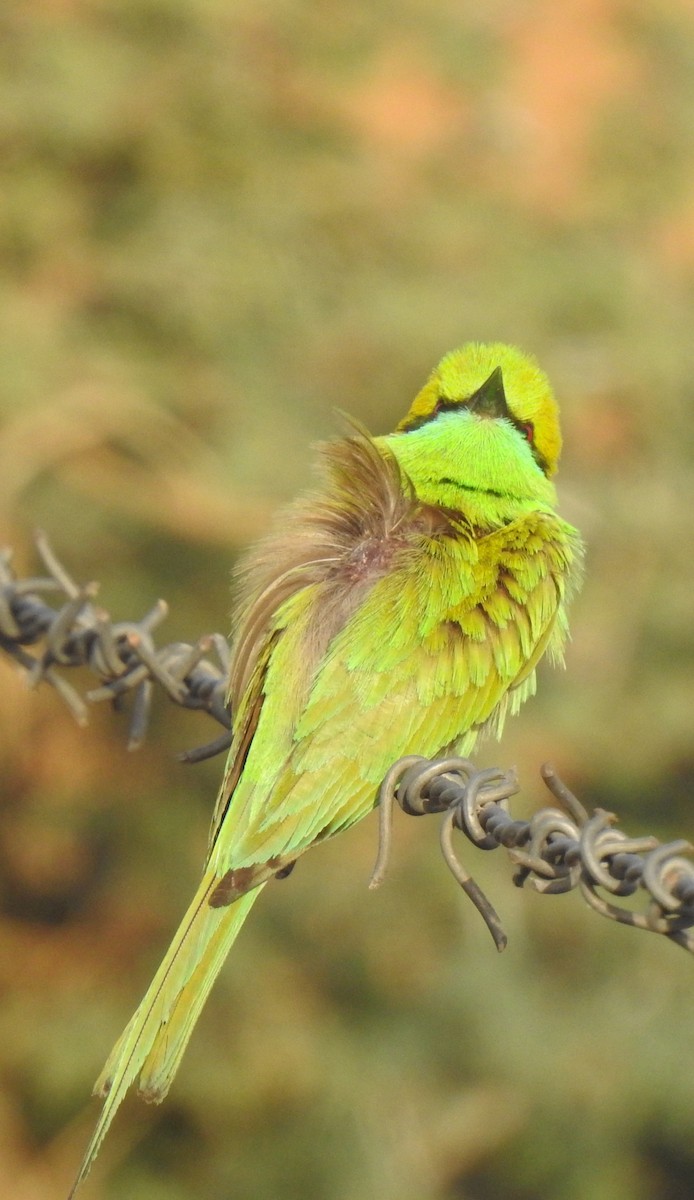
x=121 y=654
x=556 y=850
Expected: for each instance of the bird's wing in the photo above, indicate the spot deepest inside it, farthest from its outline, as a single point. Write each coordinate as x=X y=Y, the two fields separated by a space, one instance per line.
x=299 y=588
x=246 y=718
x=442 y=646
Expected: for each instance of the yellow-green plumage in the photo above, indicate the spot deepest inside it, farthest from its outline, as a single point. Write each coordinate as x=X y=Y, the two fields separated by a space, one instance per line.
x=399 y=609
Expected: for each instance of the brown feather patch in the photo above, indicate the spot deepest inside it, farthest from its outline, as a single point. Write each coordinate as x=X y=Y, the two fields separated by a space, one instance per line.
x=232 y=885
x=239 y=880
x=343 y=537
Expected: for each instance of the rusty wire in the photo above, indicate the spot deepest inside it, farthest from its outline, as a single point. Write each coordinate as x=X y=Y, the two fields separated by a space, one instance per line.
x=121 y=654
x=557 y=850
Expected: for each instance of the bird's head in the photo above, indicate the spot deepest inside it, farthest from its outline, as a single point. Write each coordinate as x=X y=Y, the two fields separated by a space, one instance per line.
x=482 y=435
x=498 y=382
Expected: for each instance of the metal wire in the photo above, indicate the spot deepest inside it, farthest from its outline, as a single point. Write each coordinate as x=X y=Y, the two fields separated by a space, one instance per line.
x=121 y=654
x=557 y=850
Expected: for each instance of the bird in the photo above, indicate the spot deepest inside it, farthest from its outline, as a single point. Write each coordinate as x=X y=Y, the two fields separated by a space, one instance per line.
x=399 y=607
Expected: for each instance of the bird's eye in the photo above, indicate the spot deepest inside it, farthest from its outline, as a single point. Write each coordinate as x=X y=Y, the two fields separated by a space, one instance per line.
x=528 y=430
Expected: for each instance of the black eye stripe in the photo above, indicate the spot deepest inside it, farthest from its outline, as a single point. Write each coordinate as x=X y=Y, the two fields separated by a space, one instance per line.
x=445 y=405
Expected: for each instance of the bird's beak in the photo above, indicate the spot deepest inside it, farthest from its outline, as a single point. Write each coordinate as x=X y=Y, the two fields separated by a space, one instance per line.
x=490 y=399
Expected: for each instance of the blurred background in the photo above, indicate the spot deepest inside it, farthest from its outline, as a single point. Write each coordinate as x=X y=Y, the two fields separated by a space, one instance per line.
x=219 y=224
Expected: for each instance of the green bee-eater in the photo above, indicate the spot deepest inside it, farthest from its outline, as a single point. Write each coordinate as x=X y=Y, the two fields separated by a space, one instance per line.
x=400 y=608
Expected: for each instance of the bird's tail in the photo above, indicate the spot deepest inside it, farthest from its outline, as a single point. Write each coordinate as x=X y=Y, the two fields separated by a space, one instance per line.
x=153 y=1042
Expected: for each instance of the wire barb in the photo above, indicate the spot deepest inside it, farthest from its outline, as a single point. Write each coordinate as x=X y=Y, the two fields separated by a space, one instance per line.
x=557 y=850
x=121 y=655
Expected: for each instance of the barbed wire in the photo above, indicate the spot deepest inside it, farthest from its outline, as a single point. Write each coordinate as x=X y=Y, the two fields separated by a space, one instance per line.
x=122 y=655
x=555 y=851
